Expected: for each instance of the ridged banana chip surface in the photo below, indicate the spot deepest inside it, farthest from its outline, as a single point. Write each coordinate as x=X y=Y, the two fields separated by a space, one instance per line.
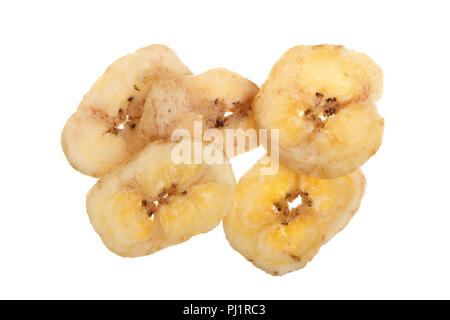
x=150 y=202
x=322 y=99
x=102 y=133
x=218 y=99
x=279 y=222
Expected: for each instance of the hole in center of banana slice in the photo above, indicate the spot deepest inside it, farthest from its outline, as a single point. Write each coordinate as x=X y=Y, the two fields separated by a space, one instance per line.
x=295 y=203
x=124 y=123
x=220 y=122
x=291 y=206
x=323 y=109
x=153 y=205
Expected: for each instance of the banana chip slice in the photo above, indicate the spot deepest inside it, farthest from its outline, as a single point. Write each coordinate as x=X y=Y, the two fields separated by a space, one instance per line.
x=102 y=133
x=218 y=99
x=150 y=202
x=322 y=98
x=279 y=222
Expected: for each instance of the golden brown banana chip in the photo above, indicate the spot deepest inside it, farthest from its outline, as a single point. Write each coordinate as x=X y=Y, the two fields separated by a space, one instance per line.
x=218 y=99
x=322 y=98
x=151 y=203
x=279 y=222
x=102 y=133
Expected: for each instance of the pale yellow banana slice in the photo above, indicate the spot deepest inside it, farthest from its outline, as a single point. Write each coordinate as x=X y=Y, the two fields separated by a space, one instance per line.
x=322 y=98
x=150 y=202
x=218 y=99
x=102 y=133
x=279 y=222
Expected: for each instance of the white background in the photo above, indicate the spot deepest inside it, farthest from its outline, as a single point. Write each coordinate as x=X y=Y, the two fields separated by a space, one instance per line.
x=397 y=245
